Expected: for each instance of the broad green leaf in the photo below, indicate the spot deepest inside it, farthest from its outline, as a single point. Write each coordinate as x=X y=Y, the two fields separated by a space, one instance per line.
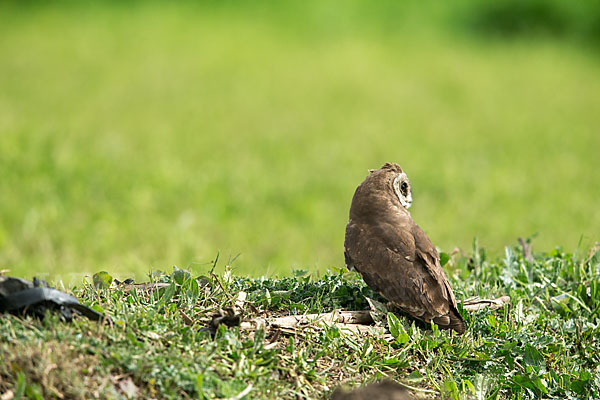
x=21 y=385
x=533 y=357
x=396 y=329
x=168 y=293
x=393 y=323
x=97 y=308
x=180 y=275
x=451 y=389
x=34 y=392
x=580 y=385
x=102 y=280
x=415 y=376
x=444 y=258
x=534 y=383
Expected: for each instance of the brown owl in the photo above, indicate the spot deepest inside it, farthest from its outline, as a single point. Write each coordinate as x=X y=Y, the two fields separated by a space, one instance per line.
x=393 y=254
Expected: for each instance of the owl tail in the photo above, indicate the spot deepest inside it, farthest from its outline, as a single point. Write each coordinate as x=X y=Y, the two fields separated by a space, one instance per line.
x=452 y=320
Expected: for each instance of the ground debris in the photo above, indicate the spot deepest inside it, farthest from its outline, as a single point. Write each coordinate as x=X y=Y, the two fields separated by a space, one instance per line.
x=353 y=321
x=21 y=297
x=386 y=390
x=9 y=395
x=227 y=317
x=147 y=286
x=478 y=304
x=361 y=322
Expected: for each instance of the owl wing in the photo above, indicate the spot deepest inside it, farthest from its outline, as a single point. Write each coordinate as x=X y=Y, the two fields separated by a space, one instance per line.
x=426 y=252
x=400 y=263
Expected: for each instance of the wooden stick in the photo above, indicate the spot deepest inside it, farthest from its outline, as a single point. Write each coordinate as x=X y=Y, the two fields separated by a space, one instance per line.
x=343 y=319
x=336 y=316
x=356 y=321
x=149 y=286
x=477 y=304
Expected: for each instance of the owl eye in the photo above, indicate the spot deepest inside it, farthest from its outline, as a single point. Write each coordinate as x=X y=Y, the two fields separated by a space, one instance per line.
x=404 y=187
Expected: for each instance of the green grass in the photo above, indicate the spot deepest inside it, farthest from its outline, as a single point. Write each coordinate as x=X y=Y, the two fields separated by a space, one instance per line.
x=544 y=345
x=137 y=137
x=134 y=137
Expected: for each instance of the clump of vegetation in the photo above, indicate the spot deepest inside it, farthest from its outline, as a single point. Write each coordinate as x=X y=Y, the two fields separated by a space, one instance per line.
x=152 y=132
x=159 y=345
x=534 y=18
x=518 y=18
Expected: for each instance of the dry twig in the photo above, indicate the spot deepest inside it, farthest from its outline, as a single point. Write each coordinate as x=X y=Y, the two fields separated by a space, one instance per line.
x=477 y=304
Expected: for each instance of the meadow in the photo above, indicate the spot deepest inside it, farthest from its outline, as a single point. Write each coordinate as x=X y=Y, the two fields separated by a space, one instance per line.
x=135 y=137
x=166 y=344
x=228 y=137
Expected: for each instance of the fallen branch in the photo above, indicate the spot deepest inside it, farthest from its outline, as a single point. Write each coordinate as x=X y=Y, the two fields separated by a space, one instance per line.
x=144 y=286
x=360 y=329
x=477 y=304
x=336 y=316
x=354 y=321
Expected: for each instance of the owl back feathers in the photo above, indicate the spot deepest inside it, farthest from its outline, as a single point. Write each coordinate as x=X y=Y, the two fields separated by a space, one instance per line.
x=394 y=256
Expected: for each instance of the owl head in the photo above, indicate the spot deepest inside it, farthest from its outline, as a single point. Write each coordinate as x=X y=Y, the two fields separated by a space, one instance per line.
x=392 y=173
x=383 y=188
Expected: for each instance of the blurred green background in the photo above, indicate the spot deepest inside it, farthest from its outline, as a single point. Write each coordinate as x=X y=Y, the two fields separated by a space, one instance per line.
x=138 y=136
